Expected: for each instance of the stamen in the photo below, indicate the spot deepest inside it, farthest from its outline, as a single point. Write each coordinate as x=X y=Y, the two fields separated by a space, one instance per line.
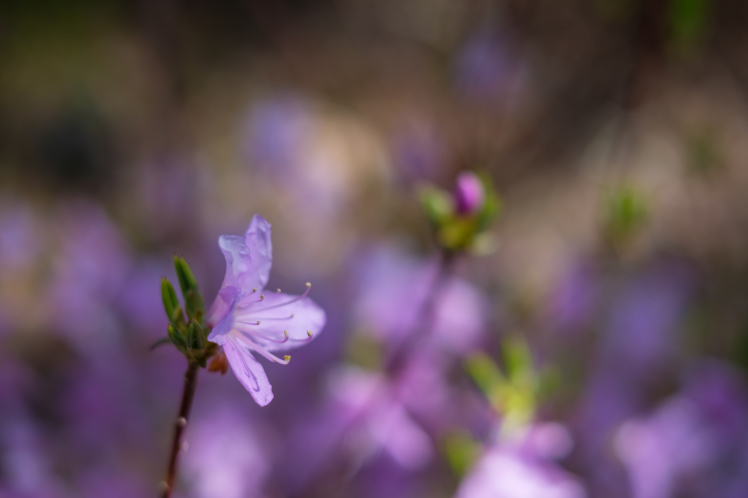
x=268 y=355
x=246 y=304
x=277 y=319
x=309 y=337
x=297 y=298
x=251 y=334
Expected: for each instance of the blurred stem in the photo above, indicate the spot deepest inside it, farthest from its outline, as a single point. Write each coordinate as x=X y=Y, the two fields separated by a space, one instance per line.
x=180 y=426
x=398 y=359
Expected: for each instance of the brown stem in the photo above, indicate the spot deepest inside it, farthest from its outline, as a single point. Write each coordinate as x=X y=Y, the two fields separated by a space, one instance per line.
x=188 y=394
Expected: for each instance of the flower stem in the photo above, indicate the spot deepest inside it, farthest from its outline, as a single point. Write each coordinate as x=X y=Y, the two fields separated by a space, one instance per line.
x=188 y=394
x=398 y=359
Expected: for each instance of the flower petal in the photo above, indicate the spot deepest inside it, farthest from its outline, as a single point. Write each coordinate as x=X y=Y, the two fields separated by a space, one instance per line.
x=224 y=303
x=258 y=240
x=249 y=372
x=248 y=258
x=222 y=310
x=275 y=317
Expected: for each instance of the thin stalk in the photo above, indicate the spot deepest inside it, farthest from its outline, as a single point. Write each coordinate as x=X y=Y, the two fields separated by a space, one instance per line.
x=180 y=426
x=398 y=359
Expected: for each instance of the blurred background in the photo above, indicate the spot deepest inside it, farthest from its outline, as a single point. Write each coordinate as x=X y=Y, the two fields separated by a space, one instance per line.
x=600 y=349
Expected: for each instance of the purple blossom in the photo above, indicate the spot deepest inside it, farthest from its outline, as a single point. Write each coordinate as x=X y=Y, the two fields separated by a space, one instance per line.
x=88 y=272
x=226 y=457
x=469 y=193
x=394 y=289
x=573 y=300
x=521 y=467
x=694 y=441
x=382 y=421
x=245 y=319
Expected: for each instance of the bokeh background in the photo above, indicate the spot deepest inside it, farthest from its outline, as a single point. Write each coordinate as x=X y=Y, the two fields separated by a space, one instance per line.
x=600 y=349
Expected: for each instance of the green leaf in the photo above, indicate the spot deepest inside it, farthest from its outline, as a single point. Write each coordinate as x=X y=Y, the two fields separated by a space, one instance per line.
x=484 y=372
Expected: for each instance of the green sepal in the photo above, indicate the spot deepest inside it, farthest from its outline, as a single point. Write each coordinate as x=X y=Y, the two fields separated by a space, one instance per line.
x=176 y=337
x=193 y=299
x=195 y=305
x=437 y=204
x=171 y=304
x=195 y=336
x=492 y=205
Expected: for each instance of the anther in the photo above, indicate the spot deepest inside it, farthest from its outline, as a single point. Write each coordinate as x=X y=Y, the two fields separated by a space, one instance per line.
x=308 y=285
x=287 y=358
x=262 y=296
x=278 y=289
x=254 y=289
x=285 y=333
x=181 y=422
x=309 y=333
x=258 y=322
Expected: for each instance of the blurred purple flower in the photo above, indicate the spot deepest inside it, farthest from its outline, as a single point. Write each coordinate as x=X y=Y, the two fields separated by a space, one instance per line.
x=394 y=288
x=92 y=263
x=469 y=193
x=226 y=457
x=362 y=418
x=246 y=320
x=25 y=462
x=383 y=423
x=484 y=67
x=644 y=320
x=521 y=467
x=573 y=300
x=638 y=343
x=139 y=299
x=695 y=442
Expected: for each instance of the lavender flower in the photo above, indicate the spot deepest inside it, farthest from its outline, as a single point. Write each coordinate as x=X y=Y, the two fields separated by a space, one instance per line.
x=226 y=456
x=520 y=465
x=394 y=288
x=245 y=319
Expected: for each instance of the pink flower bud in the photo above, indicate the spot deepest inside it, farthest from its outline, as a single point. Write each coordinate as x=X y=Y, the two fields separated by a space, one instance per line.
x=469 y=193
